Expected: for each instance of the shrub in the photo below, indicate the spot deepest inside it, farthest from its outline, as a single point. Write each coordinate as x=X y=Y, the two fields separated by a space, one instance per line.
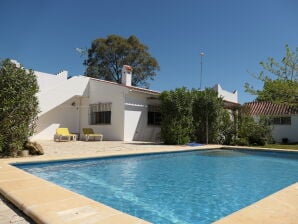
x=187 y=115
x=226 y=128
x=18 y=107
x=241 y=142
x=1 y=144
x=207 y=114
x=176 y=111
x=255 y=132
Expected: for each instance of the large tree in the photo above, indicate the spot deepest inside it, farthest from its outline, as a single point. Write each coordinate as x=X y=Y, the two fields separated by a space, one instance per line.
x=18 y=107
x=107 y=56
x=281 y=84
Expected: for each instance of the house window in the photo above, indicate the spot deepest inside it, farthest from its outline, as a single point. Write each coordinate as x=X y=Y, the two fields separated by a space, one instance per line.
x=154 y=115
x=100 y=113
x=281 y=121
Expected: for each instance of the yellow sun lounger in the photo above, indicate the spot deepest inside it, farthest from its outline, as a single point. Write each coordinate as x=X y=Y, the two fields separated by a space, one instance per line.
x=64 y=133
x=88 y=132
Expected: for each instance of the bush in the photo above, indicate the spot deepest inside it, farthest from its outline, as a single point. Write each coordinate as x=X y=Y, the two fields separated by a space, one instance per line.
x=190 y=115
x=208 y=112
x=176 y=111
x=226 y=128
x=1 y=143
x=255 y=133
x=185 y=115
x=18 y=107
x=241 y=142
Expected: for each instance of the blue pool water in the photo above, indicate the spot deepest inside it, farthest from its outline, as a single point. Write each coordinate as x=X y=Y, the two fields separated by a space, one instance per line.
x=187 y=187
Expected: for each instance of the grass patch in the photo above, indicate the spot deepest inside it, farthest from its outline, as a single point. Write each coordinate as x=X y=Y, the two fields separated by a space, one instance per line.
x=281 y=146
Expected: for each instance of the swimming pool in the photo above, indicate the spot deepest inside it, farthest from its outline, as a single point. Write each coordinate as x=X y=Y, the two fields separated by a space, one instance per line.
x=184 y=187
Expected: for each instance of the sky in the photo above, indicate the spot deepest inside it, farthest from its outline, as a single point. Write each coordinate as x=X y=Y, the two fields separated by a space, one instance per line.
x=235 y=35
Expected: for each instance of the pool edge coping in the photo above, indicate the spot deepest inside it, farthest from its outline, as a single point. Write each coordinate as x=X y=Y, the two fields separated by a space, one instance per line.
x=36 y=212
x=33 y=208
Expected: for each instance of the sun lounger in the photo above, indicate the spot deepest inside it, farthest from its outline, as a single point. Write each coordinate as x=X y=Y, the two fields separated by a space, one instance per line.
x=88 y=132
x=63 y=133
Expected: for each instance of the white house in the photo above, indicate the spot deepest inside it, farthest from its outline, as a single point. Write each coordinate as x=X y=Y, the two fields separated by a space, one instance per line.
x=284 y=119
x=118 y=111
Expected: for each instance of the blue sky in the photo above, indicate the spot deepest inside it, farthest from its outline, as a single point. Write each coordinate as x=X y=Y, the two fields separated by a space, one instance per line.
x=234 y=34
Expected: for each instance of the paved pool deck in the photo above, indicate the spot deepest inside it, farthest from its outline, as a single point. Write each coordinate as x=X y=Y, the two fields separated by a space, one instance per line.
x=45 y=202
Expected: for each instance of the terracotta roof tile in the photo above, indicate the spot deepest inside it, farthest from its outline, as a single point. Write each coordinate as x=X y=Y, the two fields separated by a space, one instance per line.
x=268 y=108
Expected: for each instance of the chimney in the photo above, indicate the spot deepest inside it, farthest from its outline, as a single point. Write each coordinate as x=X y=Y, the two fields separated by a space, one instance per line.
x=126 y=75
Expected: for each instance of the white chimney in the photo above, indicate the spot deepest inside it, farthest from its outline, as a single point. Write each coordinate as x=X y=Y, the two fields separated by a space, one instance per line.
x=126 y=75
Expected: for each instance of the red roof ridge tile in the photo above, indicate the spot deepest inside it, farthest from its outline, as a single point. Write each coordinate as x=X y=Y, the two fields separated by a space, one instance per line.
x=269 y=108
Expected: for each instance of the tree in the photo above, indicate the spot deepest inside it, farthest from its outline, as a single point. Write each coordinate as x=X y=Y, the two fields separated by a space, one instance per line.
x=194 y=115
x=107 y=56
x=207 y=113
x=176 y=112
x=283 y=88
x=18 y=107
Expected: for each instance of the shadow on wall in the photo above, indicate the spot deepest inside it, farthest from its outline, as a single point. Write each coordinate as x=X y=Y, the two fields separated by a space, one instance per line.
x=65 y=115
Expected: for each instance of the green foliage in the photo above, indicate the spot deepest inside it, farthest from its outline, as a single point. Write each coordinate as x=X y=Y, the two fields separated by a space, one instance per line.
x=107 y=56
x=208 y=114
x=185 y=115
x=18 y=107
x=227 y=127
x=241 y=141
x=196 y=115
x=1 y=144
x=251 y=132
x=176 y=111
x=281 y=86
x=280 y=91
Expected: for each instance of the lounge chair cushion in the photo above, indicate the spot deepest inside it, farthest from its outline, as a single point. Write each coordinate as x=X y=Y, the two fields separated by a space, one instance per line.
x=64 y=132
x=88 y=132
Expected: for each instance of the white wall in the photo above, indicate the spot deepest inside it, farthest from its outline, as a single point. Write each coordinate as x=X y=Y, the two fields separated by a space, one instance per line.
x=136 y=118
x=129 y=108
x=226 y=95
x=129 y=113
x=51 y=98
x=55 y=103
x=65 y=115
x=47 y=81
x=101 y=92
x=286 y=131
